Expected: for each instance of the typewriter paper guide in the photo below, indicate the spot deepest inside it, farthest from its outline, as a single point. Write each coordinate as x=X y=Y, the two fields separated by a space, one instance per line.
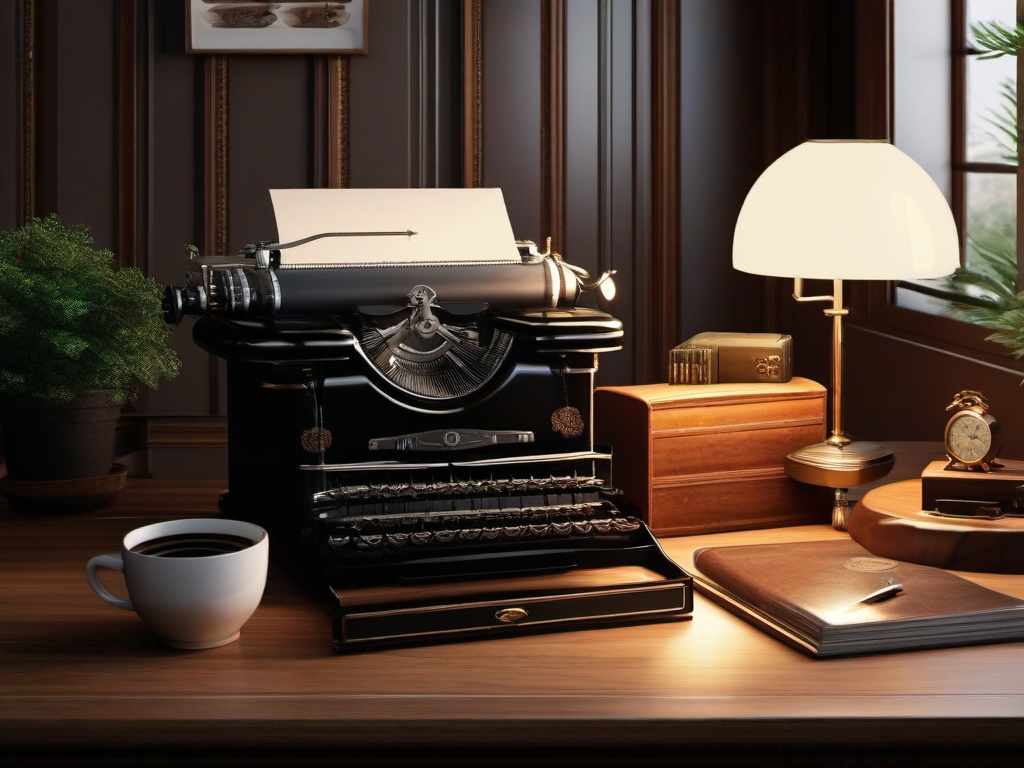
x=451 y=225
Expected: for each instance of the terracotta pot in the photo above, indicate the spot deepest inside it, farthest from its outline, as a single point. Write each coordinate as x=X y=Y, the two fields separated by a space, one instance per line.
x=60 y=442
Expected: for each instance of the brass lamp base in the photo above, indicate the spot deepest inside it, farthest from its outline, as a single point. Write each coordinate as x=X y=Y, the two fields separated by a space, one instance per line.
x=839 y=465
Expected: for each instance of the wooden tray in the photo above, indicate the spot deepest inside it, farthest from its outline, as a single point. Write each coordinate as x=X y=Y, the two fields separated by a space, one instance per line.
x=889 y=522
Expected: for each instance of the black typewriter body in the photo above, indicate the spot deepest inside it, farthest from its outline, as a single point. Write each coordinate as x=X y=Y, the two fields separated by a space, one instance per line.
x=433 y=443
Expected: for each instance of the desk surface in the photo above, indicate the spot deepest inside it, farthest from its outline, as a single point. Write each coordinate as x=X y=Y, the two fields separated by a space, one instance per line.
x=78 y=673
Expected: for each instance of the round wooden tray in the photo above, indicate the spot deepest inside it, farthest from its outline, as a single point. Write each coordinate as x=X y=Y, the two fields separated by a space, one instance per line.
x=64 y=496
x=889 y=522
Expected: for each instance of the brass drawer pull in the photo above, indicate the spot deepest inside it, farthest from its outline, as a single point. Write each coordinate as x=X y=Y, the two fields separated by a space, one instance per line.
x=511 y=615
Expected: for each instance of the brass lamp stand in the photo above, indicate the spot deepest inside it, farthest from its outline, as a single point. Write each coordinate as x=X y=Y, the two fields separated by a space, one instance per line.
x=840 y=462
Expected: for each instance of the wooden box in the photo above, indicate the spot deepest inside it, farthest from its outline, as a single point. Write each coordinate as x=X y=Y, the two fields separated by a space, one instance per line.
x=694 y=458
x=996 y=488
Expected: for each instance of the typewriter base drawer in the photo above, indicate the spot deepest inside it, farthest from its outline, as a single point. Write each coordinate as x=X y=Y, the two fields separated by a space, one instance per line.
x=511 y=615
x=636 y=584
x=705 y=458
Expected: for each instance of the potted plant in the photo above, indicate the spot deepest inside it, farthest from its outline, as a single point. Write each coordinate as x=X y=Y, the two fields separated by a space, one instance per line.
x=78 y=338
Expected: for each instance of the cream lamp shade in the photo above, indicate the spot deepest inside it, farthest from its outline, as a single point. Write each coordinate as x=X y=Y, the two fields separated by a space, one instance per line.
x=846 y=210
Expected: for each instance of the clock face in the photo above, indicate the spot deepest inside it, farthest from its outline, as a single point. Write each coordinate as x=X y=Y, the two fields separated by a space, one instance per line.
x=968 y=438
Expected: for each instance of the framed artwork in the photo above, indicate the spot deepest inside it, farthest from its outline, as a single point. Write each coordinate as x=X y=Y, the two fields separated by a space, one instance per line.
x=244 y=26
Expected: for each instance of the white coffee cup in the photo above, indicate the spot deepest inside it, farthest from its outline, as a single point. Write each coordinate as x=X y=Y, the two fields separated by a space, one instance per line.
x=191 y=585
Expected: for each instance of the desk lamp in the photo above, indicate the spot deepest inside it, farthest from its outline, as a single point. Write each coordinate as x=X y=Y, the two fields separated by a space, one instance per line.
x=844 y=210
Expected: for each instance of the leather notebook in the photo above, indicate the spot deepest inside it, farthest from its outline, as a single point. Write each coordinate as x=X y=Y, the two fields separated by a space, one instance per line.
x=831 y=598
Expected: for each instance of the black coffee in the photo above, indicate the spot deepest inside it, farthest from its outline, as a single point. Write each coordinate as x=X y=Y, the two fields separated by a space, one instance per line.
x=193 y=545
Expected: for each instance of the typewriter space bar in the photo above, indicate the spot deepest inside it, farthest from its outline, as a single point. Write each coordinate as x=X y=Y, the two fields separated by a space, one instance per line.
x=485 y=565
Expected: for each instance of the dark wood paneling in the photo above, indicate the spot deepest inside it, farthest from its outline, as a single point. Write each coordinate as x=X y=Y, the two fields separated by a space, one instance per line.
x=599 y=182
x=512 y=111
x=586 y=106
x=330 y=121
x=663 y=301
x=643 y=358
x=214 y=142
x=873 y=81
x=722 y=109
x=552 y=125
x=796 y=108
x=132 y=116
x=27 y=109
x=472 y=93
x=176 y=143
x=267 y=147
x=577 y=109
x=11 y=129
x=899 y=389
x=381 y=123
x=76 y=142
x=622 y=199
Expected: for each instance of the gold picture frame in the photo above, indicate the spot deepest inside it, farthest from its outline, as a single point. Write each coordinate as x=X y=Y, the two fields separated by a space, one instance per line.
x=247 y=26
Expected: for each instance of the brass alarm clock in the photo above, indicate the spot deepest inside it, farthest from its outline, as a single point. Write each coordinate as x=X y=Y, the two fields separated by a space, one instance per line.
x=973 y=436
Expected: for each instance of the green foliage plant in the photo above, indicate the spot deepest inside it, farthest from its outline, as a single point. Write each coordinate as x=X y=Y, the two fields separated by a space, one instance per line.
x=70 y=322
x=987 y=291
x=993 y=39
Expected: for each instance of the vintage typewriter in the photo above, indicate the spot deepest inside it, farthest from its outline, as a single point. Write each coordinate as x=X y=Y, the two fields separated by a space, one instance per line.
x=425 y=424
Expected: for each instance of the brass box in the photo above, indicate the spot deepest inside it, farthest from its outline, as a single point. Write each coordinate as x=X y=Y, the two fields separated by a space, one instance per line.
x=732 y=358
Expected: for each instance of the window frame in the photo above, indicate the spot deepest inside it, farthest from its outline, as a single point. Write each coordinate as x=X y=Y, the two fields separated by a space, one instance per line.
x=873 y=303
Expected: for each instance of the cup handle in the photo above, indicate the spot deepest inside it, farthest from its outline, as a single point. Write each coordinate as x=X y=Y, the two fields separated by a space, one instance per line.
x=115 y=563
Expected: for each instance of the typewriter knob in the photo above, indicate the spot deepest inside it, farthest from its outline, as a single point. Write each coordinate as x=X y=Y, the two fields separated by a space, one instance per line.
x=181 y=300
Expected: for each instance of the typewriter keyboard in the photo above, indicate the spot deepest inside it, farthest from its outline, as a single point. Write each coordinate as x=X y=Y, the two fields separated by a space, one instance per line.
x=364 y=537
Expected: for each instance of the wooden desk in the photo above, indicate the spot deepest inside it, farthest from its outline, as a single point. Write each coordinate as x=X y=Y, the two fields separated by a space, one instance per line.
x=82 y=681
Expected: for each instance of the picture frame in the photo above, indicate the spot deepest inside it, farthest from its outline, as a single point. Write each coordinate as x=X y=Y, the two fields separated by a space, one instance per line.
x=248 y=26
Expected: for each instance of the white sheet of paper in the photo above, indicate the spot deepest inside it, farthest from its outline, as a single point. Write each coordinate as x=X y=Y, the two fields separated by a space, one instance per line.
x=450 y=225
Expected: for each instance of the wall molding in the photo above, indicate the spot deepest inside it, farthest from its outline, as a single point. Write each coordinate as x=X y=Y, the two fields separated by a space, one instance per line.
x=552 y=121
x=215 y=154
x=472 y=93
x=605 y=137
x=186 y=431
x=28 y=111
x=337 y=121
x=331 y=120
x=663 y=304
x=131 y=217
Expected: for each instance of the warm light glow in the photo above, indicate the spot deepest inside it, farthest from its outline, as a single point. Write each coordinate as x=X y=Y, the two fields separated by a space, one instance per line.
x=846 y=210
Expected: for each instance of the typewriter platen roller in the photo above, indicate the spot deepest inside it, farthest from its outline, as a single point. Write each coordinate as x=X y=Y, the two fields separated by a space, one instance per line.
x=427 y=424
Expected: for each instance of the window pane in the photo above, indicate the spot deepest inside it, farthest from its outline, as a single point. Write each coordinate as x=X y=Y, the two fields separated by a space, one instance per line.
x=991 y=217
x=991 y=112
x=991 y=230
x=991 y=10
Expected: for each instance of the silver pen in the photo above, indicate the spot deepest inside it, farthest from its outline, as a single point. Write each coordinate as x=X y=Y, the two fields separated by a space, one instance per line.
x=891 y=589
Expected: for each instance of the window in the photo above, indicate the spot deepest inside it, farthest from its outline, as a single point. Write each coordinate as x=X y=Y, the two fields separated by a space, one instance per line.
x=984 y=157
x=980 y=173
x=945 y=92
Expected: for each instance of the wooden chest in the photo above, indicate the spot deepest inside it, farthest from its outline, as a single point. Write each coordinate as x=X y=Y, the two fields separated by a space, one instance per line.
x=694 y=458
